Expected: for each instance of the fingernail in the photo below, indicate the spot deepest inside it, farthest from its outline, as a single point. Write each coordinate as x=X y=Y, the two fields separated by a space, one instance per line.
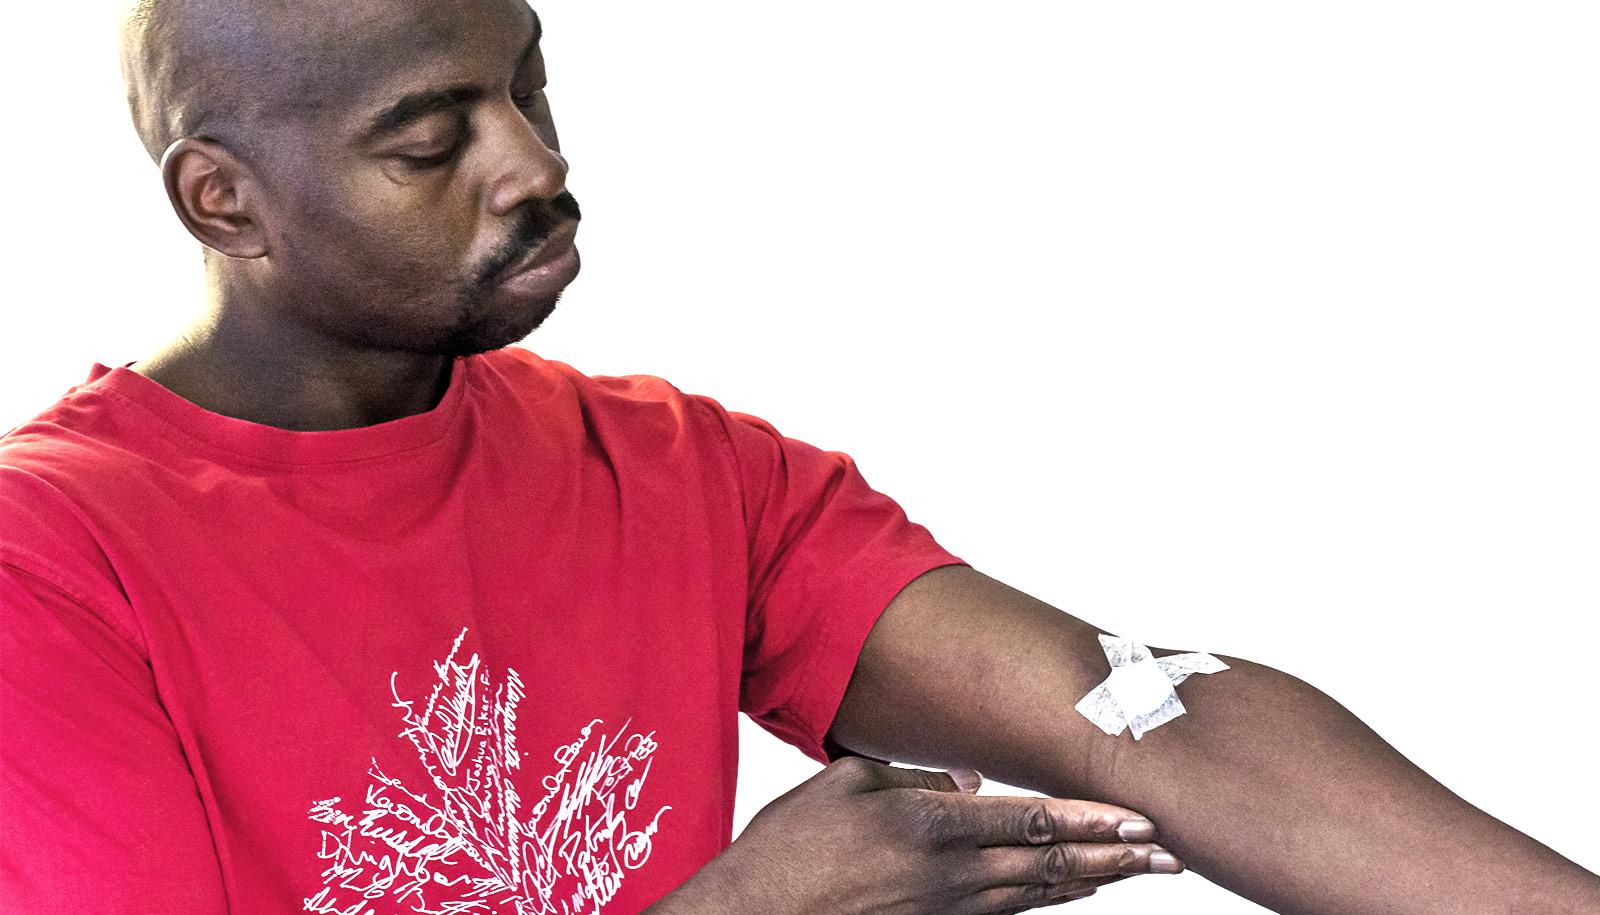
x=967 y=780
x=1081 y=894
x=1164 y=862
x=1137 y=830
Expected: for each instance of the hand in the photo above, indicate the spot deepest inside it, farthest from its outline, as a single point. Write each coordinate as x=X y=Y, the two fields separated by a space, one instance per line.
x=864 y=837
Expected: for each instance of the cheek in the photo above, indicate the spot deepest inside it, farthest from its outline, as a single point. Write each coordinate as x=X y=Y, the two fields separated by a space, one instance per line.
x=373 y=233
x=378 y=270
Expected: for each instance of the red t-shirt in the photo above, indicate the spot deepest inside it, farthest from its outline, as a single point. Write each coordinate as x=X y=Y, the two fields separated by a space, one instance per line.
x=483 y=659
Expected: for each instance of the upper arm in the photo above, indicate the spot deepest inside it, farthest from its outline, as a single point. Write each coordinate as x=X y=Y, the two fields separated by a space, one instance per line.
x=826 y=554
x=963 y=670
x=101 y=812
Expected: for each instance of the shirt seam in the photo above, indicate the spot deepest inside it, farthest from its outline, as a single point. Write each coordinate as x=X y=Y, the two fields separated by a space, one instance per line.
x=48 y=576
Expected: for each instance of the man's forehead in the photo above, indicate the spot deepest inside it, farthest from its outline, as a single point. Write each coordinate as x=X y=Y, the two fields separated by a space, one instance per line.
x=386 y=32
x=378 y=50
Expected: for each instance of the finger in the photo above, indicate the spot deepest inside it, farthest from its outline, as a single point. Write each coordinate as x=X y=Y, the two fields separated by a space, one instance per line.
x=1065 y=862
x=953 y=781
x=1009 y=900
x=965 y=781
x=1004 y=820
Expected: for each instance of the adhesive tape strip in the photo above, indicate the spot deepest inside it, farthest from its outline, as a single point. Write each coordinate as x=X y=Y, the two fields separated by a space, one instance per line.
x=1140 y=692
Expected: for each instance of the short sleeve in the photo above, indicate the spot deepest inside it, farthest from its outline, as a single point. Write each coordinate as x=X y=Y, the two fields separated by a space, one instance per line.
x=100 y=810
x=827 y=554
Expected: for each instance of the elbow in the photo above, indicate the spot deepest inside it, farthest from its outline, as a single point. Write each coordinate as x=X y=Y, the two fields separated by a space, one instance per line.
x=1234 y=722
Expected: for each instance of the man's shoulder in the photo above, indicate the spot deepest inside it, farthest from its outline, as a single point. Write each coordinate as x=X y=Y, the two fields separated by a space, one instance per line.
x=74 y=436
x=636 y=395
x=48 y=477
x=521 y=364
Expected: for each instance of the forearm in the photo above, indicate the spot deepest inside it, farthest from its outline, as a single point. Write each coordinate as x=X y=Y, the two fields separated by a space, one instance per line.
x=1266 y=785
x=1272 y=789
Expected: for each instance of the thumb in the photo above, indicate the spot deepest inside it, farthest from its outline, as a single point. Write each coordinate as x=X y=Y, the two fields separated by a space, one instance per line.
x=967 y=780
x=964 y=780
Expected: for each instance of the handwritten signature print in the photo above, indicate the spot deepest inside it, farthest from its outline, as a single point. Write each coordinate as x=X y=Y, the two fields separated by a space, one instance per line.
x=464 y=849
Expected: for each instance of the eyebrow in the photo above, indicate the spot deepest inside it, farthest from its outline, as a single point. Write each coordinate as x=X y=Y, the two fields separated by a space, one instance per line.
x=418 y=105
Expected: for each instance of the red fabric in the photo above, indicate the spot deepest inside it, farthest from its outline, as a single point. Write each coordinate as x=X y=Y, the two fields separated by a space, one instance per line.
x=487 y=653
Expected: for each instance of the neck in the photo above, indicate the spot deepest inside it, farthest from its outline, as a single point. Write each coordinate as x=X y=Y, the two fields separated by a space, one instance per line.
x=261 y=368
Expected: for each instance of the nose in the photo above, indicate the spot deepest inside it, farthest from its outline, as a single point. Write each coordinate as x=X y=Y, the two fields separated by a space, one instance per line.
x=528 y=163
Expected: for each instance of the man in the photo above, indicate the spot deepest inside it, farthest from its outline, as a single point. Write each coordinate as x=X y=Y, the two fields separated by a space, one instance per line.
x=340 y=603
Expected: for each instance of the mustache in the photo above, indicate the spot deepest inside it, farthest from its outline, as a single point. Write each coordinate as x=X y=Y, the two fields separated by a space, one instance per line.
x=534 y=225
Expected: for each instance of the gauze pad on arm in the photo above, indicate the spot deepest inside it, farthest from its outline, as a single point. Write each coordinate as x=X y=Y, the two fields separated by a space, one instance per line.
x=1140 y=692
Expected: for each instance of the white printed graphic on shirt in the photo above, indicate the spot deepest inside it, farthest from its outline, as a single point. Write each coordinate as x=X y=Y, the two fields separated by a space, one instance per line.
x=464 y=849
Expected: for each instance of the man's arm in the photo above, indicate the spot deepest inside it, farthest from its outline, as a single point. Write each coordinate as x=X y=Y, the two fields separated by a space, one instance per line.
x=1266 y=786
x=99 y=810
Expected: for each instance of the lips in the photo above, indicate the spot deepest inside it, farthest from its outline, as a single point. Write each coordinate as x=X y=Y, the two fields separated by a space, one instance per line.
x=554 y=245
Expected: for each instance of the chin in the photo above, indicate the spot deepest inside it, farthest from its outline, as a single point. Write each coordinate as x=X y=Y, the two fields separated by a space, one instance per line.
x=498 y=330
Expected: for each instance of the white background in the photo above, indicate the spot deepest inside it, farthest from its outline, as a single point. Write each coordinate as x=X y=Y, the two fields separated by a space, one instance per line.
x=1260 y=328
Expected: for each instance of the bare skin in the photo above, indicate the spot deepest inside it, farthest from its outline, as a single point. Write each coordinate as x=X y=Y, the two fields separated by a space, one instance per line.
x=352 y=256
x=346 y=268
x=1266 y=785
x=865 y=838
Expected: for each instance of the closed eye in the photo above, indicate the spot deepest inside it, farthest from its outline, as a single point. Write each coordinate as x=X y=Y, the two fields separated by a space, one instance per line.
x=526 y=99
x=420 y=163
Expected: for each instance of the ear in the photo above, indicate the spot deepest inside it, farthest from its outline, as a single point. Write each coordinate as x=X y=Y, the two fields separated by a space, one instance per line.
x=212 y=192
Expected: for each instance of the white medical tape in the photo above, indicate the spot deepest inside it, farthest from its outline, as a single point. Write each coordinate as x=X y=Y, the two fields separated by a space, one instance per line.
x=1139 y=694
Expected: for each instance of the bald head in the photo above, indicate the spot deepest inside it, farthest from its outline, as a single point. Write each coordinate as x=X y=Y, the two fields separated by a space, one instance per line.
x=232 y=70
x=370 y=169
x=187 y=65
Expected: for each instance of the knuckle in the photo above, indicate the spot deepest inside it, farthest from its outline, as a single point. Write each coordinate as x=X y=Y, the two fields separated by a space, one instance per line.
x=1097 y=825
x=960 y=874
x=929 y=821
x=1037 y=825
x=1128 y=858
x=1062 y=862
x=1037 y=893
x=1057 y=865
x=852 y=769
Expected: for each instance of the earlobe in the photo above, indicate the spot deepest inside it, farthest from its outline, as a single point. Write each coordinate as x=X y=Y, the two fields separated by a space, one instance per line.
x=208 y=187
